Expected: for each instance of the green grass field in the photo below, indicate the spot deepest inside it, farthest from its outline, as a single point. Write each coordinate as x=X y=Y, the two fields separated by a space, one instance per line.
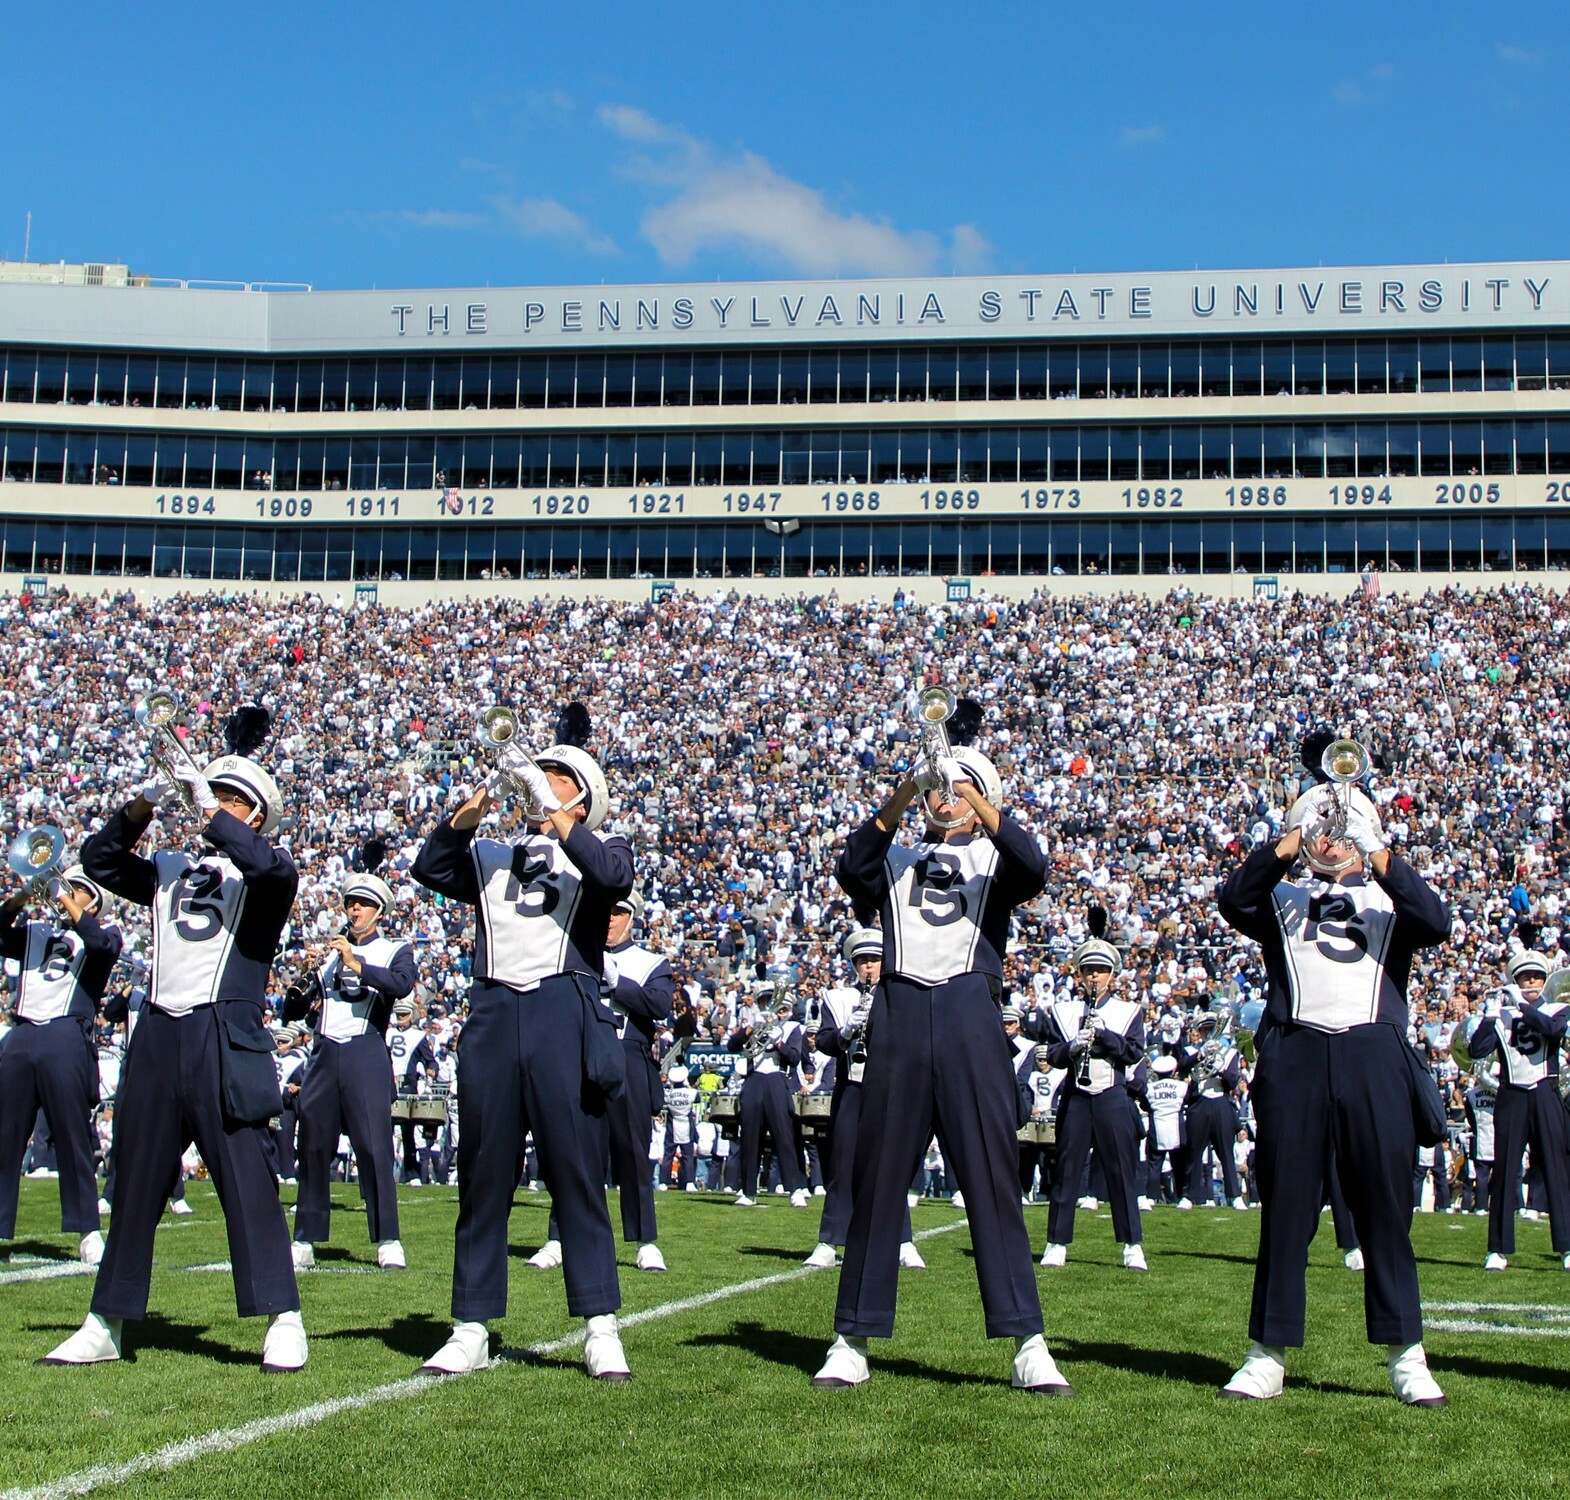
x=722 y=1403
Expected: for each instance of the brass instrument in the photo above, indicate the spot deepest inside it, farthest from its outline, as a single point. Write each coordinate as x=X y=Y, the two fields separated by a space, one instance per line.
x=156 y=713
x=496 y=728
x=38 y=856
x=1344 y=763
x=935 y=707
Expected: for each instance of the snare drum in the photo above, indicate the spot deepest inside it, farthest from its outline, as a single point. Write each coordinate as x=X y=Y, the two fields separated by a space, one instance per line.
x=725 y=1113
x=1038 y=1133
x=421 y=1109
x=813 y=1111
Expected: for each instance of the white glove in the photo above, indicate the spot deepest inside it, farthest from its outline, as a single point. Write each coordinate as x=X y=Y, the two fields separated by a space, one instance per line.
x=200 y=787
x=154 y=791
x=1082 y=1040
x=1363 y=834
x=538 y=785
x=952 y=772
x=498 y=785
x=925 y=776
x=513 y=760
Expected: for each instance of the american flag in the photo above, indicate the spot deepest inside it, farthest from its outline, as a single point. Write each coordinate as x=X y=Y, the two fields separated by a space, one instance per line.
x=1370 y=583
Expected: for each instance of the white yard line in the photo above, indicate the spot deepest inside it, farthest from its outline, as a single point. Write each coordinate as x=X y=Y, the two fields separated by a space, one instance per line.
x=226 y=1439
x=47 y=1271
x=1477 y=1325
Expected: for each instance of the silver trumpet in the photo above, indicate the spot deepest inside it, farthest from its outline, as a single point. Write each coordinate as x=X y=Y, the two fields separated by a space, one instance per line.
x=37 y=855
x=156 y=713
x=496 y=728
x=934 y=708
x=1345 y=762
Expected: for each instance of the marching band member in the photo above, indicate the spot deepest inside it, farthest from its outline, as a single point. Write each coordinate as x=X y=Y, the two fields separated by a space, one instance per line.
x=540 y=1048
x=772 y=1048
x=842 y=1033
x=348 y=1088
x=682 y=1127
x=1526 y=1030
x=1334 y=1074
x=199 y=1064
x=1167 y=1093
x=1096 y=1039
x=411 y=1057
x=1040 y=1084
x=641 y=986
x=289 y=1060
x=938 y=1055
x=1482 y=1094
x=1216 y=1068
x=49 y=1062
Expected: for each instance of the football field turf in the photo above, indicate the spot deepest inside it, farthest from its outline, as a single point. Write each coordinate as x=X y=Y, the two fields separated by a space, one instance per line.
x=723 y=1348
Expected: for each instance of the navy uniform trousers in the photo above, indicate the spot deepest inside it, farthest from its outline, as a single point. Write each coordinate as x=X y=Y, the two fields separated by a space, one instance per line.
x=521 y=1067
x=1522 y=1117
x=1105 y=1121
x=1346 y=1095
x=347 y=1091
x=50 y=1065
x=765 y=1106
x=632 y=1129
x=844 y=1128
x=1212 y=1123
x=170 y=1095
x=937 y=1060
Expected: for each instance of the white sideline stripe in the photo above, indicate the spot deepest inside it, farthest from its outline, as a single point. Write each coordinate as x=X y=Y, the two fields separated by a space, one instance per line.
x=1477 y=1325
x=51 y=1271
x=227 y=1439
x=224 y=1265
x=1554 y=1311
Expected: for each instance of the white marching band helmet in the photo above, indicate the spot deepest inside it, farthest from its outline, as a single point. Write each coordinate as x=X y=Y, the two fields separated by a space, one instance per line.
x=1314 y=807
x=1528 y=962
x=981 y=774
x=678 y=1076
x=364 y=886
x=862 y=942
x=252 y=782
x=1096 y=951
x=77 y=876
x=593 y=791
x=632 y=904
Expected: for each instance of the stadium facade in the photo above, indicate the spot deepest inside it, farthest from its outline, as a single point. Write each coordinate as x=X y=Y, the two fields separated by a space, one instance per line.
x=1237 y=430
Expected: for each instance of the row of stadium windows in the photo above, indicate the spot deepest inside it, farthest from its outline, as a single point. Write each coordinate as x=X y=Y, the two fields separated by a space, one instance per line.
x=713 y=377
x=920 y=455
x=826 y=549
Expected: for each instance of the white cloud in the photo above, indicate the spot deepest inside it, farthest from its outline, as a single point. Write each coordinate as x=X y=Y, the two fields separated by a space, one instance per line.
x=545 y=218
x=1520 y=56
x=440 y=218
x=1143 y=135
x=738 y=201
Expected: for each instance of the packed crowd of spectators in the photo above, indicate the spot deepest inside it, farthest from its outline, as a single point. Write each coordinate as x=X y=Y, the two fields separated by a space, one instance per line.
x=1147 y=742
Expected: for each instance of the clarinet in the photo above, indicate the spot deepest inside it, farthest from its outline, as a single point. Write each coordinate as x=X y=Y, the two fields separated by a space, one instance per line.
x=1082 y=1073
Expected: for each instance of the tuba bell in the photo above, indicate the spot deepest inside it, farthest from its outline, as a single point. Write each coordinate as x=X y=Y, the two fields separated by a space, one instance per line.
x=37 y=855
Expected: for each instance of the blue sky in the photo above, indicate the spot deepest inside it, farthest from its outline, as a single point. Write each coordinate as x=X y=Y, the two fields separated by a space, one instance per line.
x=351 y=145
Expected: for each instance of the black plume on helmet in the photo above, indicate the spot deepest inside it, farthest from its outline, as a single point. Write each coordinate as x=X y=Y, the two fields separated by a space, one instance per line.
x=572 y=728
x=247 y=728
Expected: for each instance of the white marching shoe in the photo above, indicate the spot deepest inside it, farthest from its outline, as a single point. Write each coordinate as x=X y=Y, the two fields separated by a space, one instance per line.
x=822 y=1256
x=1354 y=1259
x=104 y=1206
x=650 y=1259
x=1260 y=1377
x=1089 y=1204
x=845 y=1364
x=1240 y=1204
x=1567 y=1261
x=1410 y=1379
x=1036 y=1370
x=389 y=1255
x=1184 y=1203
x=958 y=1200
x=743 y=1201
x=180 y=1206
x=602 y=1352
x=911 y=1200
x=1055 y=1255
x=303 y=1254
x=547 y=1257
x=1134 y=1258
x=1495 y=1261
x=97 y=1340
x=1144 y=1204
x=910 y=1257
x=468 y=1348
x=691 y=1187
x=284 y=1349
x=91 y=1250
x=800 y=1198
